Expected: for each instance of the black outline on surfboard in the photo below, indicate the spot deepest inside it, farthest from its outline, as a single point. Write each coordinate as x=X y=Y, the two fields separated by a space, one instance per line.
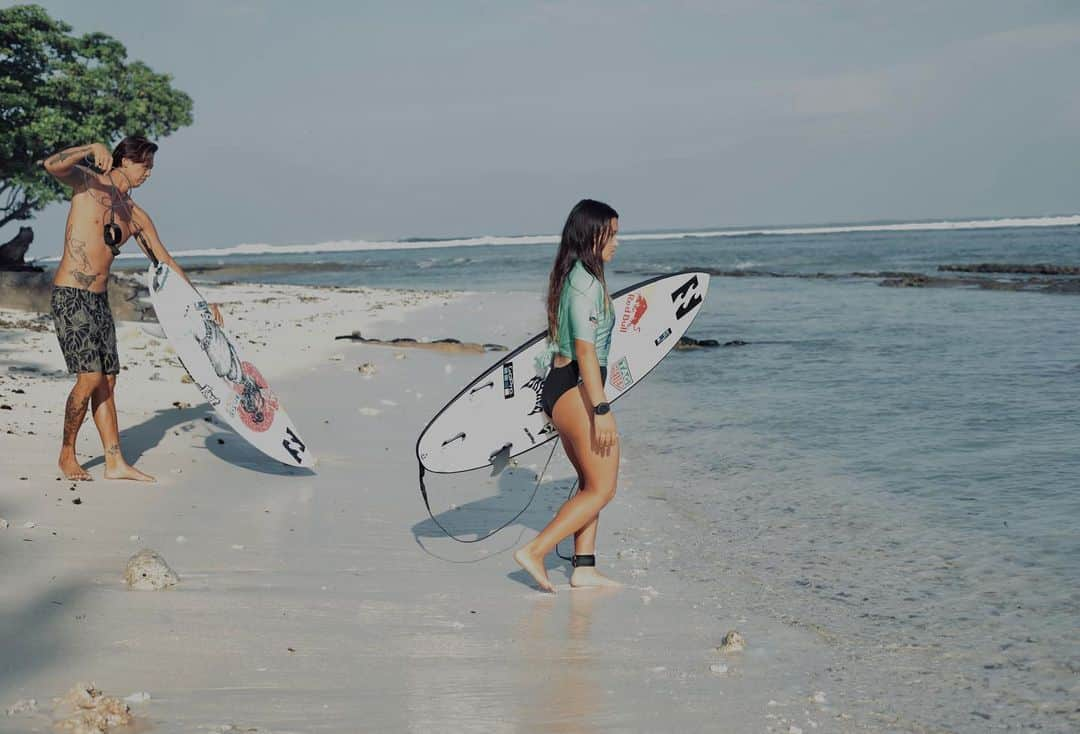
x=525 y=346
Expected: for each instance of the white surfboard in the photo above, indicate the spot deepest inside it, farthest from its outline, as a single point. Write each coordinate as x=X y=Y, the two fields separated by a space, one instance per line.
x=499 y=413
x=232 y=385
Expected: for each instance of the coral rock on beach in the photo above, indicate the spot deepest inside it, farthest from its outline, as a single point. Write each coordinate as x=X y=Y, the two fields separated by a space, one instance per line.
x=732 y=642
x=86 y=710
x=148 y=571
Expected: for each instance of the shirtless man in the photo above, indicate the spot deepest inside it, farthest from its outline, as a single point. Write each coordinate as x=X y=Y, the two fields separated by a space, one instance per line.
x=102 y=218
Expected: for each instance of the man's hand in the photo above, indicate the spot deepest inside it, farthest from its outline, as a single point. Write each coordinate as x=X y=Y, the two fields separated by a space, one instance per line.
x=102 y=157
x=216 y=313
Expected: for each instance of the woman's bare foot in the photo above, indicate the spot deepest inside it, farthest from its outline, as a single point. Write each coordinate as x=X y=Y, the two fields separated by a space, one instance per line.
x=535 y=567
x=588 y=576
x=126 y=471
x=70 y=468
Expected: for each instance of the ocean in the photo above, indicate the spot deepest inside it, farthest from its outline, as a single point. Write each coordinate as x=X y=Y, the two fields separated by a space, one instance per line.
x=896 y=467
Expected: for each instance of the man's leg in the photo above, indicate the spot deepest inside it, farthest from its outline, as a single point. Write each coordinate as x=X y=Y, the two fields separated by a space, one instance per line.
x=86 y=383
x=105 y=419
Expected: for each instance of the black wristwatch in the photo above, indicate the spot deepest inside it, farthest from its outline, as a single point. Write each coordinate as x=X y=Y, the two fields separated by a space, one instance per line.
x=602 y=409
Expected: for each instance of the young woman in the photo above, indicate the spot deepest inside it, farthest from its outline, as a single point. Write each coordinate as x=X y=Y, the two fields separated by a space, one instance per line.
x=580 y=320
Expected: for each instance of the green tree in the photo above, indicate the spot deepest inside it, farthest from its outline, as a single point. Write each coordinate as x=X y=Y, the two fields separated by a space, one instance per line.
x=58 y=90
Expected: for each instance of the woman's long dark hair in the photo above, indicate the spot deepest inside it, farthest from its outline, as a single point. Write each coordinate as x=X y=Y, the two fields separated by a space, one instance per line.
x=584 y=234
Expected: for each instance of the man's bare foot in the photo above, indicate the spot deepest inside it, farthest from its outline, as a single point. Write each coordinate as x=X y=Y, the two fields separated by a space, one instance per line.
x=584 y=576
x=70 y=468
x=126 y=471
x=535 y=567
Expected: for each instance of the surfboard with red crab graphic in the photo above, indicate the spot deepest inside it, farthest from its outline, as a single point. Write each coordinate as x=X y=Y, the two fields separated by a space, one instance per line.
x=232 y=385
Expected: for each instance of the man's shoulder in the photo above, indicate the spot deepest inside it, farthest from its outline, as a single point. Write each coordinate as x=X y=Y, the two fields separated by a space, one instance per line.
x=83 y=179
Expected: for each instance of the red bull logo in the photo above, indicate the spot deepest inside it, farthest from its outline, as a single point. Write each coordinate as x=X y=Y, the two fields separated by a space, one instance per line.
x=635 y=308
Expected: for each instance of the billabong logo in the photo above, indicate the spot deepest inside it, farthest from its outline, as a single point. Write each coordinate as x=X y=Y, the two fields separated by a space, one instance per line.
x=293 y=445
x=686 y=297
x=620 y=378
x=635 y=308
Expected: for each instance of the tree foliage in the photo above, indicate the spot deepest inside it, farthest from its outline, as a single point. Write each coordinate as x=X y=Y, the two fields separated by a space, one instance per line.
x=58 y=90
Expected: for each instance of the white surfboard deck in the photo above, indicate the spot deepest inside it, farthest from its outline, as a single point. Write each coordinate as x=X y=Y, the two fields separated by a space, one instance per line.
x=499 y=413
x=233 y=386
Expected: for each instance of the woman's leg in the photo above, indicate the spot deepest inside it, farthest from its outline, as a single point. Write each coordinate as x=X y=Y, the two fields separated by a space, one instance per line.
x=600 y=471
x=585 y=538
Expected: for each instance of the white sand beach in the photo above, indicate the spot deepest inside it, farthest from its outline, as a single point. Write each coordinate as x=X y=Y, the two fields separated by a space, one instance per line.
x=327 y=601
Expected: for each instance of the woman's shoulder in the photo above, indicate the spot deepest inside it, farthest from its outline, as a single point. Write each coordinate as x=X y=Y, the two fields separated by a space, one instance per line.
x=580 y=279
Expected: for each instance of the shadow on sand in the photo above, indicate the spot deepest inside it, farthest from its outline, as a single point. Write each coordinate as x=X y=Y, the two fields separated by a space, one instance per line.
x=228 y=446
x=137 y=440
x=223 y=443
x=477 y=518
x=36 y=635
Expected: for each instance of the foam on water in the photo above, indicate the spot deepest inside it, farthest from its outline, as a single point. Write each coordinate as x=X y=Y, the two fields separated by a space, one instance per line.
x=491 y=240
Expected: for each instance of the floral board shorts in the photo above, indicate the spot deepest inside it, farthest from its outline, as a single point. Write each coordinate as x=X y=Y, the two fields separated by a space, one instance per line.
x=85 y=330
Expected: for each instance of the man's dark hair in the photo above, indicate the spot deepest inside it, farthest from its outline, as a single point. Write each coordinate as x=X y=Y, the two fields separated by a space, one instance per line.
x=135 y=148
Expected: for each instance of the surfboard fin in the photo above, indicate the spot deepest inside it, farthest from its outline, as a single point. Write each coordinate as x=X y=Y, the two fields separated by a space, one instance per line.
x=500 y=458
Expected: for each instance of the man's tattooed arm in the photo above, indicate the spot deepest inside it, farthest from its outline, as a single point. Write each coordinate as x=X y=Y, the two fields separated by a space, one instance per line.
x=63 y=165
x=63 y=155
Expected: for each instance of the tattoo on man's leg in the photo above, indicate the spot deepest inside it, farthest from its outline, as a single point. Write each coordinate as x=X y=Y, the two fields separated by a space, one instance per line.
x=113 y=450
x=74 y=414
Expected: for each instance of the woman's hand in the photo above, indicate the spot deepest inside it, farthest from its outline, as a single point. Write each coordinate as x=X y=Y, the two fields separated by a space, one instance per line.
x=216 y=313
x=605 y=434
x=102 y=157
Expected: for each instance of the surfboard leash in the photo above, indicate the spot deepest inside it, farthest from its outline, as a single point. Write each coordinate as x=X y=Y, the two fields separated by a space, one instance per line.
x=539 y=479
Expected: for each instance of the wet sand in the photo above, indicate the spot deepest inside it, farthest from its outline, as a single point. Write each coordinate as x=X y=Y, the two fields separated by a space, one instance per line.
x=327 y=601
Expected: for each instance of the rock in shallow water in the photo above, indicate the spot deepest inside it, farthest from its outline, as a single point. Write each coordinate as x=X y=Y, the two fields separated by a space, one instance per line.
x=732 y=642
x=148 y=571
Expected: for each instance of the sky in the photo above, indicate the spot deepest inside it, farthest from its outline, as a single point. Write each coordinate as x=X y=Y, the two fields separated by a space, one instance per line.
x=324 y=120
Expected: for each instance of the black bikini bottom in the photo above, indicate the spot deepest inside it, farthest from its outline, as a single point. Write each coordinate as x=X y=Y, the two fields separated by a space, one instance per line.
x=561 y=379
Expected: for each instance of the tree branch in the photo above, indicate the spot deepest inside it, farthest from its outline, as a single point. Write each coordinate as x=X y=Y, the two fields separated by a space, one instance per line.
x=23 y=211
